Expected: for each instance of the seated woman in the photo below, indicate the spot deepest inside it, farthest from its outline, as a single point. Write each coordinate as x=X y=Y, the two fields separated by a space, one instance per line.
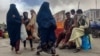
x=77 y=32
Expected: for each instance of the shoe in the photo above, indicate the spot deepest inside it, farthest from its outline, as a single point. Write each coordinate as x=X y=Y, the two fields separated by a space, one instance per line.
x=37 y=53
x=63 y=47
x=77 y=50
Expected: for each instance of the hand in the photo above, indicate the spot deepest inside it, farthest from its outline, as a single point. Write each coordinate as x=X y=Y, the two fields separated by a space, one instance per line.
x=23 y=21
x=13 y=16
x=64 y=31
x=73 y=25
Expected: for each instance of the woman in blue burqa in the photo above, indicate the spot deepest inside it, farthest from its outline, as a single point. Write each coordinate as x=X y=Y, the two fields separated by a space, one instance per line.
x=47 y=26
x=13 y=27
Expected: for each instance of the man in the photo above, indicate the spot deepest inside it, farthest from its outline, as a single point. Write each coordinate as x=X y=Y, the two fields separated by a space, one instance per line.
x=80 y=24
x=72 y=13
x=67 y=31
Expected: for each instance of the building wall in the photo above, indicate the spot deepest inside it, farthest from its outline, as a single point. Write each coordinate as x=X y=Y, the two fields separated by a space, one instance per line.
x=93 y=14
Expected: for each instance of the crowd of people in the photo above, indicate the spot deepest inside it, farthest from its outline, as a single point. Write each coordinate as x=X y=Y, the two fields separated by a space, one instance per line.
x=42 y=26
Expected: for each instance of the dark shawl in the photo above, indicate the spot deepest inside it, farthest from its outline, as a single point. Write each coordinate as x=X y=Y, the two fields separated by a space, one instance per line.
x=13 y=24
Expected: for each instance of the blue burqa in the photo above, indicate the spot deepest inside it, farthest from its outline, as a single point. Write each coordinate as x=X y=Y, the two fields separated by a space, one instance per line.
x=47 y=26
x=13 y=24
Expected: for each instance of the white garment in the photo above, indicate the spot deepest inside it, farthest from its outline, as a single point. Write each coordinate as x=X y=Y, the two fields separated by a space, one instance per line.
x=23 y=33
x=72 y=16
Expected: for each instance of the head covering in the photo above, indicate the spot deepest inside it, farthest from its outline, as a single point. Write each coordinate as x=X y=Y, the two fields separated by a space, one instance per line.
x=44 y=17
x=13 y=11
x=32 y=11
x=13 y=24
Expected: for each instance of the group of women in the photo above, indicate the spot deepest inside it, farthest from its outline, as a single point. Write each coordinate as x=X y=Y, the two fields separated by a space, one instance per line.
x=43 y=27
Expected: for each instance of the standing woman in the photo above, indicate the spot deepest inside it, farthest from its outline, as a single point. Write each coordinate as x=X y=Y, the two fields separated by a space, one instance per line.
x=13 y=27
x=33 y=25
x=47 y=26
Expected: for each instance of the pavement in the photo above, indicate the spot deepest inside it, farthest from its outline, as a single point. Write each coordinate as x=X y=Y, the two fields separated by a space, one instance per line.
x=5 y=50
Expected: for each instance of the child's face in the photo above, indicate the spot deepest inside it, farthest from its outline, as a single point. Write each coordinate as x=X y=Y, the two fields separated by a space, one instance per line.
x=26 y=14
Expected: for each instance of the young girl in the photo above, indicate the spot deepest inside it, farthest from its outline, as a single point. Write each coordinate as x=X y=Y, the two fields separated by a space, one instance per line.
x=28 y=29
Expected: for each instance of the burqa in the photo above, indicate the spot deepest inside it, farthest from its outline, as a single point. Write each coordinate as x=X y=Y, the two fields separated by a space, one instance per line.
x=13 y=25
x=47 y=26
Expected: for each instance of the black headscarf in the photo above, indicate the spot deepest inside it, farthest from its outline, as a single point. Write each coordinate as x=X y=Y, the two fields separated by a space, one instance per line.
x=13 y=11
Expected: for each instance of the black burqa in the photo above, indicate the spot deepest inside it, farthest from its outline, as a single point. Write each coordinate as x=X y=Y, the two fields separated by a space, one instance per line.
x=47 y=26
x=13 y=24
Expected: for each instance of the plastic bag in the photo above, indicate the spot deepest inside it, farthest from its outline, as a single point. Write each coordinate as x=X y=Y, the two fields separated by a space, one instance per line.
x=86 y=45
x=23 y=33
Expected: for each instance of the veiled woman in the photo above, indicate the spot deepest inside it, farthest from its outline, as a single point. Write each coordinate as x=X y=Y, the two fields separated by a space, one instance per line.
x=13 y=27
x=46 y=27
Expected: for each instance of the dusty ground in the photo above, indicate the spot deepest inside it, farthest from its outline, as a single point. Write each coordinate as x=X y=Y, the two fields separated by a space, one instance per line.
x=5 y=50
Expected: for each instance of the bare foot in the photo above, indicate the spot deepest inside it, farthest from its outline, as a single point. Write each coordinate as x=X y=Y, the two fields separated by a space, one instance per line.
x=25 y=48
x=32 y=49
x=18 y=52
x=12 y=48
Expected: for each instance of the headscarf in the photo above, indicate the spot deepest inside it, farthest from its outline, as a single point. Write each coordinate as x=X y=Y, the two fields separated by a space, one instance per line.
x=44 y=17
x=13 y=11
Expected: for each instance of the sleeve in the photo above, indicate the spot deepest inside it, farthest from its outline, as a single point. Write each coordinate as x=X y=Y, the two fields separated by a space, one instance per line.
x=65 y=24
x=18 y=19
x=33 y=20
x=87 y=23
x=75 y=23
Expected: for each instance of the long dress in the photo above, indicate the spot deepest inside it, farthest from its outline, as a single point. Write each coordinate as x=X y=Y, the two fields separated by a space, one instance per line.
x=14 y=26
x=47 y=26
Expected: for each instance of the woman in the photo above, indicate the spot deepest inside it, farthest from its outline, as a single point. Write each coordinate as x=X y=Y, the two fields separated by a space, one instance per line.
x=47 y=26
x=34 y=26
x=13 y=27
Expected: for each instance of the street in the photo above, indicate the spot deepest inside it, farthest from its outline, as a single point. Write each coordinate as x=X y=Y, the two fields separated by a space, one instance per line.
x=5 y=50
